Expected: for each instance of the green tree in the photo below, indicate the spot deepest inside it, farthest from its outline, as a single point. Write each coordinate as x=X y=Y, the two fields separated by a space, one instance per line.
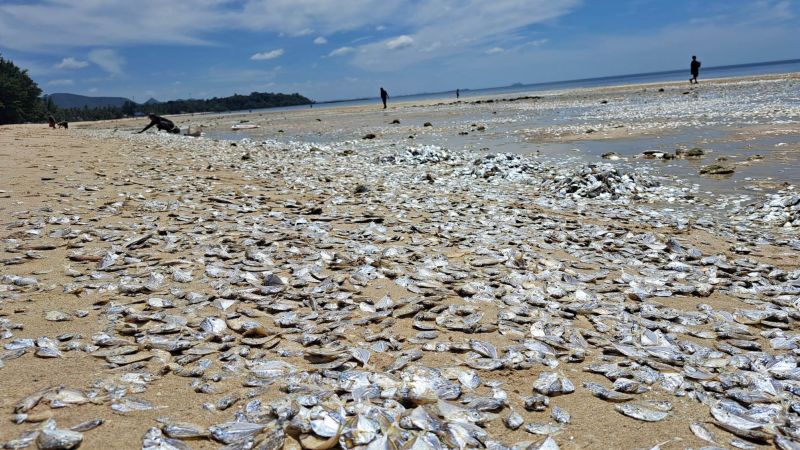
x=19 y=95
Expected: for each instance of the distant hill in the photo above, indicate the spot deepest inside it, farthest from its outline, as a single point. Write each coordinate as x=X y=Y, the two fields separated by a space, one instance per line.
x=64 y=100
x=70 y=107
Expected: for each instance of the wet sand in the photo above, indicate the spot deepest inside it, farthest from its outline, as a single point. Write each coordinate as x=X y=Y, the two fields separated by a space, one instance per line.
x=112 y=187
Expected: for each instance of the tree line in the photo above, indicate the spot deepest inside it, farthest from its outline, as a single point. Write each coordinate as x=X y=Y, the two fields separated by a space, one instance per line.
x=21 y=101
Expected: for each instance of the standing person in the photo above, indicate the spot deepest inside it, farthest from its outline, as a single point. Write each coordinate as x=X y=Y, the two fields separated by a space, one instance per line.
x=52 y=121
x=161 y=124
x=458 y=93
x=695 y=68
x=384 y=97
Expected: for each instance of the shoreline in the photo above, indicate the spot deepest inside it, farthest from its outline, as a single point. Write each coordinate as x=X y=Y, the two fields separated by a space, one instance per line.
x=432 y=102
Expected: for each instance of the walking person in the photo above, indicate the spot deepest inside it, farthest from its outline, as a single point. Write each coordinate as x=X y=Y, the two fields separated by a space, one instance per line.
x=384 y=97
x=458 y=93
x=695 y=68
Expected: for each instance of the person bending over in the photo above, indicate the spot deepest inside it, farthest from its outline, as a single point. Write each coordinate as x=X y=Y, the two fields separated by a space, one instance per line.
x=161 y=124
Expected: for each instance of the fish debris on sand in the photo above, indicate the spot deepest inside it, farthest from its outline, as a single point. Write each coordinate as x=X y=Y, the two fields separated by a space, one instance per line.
x=359 y=295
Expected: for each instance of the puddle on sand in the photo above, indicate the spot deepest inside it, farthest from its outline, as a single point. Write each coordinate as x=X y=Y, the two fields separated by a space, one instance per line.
x=778 y=165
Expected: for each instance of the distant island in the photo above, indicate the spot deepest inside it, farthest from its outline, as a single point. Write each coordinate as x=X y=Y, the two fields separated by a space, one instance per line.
x=72 y=107
x=236 y=102
x=67 y=101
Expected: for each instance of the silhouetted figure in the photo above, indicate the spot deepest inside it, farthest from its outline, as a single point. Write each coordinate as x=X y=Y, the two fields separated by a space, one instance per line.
x=161 y=124
x=384 y=97
x=695 y=68
x=64 y=125
x=52 y=121
x=458 y=93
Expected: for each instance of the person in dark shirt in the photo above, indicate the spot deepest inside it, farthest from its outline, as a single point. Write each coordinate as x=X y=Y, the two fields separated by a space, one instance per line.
x=161 y=124
x=695 y=68
x=52 y=121
x=384 y=97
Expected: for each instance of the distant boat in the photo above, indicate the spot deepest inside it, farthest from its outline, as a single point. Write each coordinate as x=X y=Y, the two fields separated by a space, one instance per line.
x=244 y=126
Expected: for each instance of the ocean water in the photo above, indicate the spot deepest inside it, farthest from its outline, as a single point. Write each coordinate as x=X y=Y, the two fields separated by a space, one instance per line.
x=764 y=68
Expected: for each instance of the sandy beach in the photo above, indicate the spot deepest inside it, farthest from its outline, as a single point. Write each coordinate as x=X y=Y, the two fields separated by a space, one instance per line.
x=353 y=277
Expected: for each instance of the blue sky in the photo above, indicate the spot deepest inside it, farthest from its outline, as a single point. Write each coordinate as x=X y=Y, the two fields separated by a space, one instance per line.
x=327 y=49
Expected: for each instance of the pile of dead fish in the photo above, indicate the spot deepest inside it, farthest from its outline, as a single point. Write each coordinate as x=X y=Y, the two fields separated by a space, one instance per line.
x=602 y=181
x=425 y=154
x=416 y=408
x=780 y=209
x=275 y=310
x=508 y=166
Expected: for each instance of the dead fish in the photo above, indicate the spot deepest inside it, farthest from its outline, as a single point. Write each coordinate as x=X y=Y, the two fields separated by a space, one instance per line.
x=178 y=430
x=559 y=415
x=24 y=441
x=128 y=404
x=603 y=393
x=536 y=402
x=213 y=326
x=153 y=439
x=52 y=438
x=739 y=425
x=513 y=420
x=542 y=428
x=702 y=432
x=129 y=359
x=231 y=432
x=182 y=276
x=483 y=348
x=87 y=425
x=551 y=384
x=641 y=411
x=30 y=401
x=547 y=444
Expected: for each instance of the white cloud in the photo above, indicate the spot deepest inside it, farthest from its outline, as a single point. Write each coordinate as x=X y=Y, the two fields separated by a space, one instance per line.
x=320 y=40
x=108 y=60
x=400 y=42
x=272 y=54
x=325 y=16
x=61 y=82
x=71 y=63
x=448 y=28
x=495 y=50
x=93 y=90
x=341 y=51
x=538 y=42
x=48 y=24
x=75 y=24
